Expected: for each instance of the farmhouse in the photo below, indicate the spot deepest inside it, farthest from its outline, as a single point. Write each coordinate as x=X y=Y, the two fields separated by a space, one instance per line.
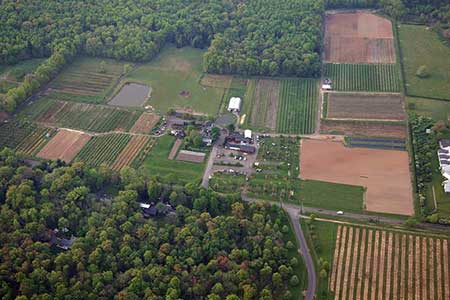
x=148 y=210
x=61 y=242
x=235 y=104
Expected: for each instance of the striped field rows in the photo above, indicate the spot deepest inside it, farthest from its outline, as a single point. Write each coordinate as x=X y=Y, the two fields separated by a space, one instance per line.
x=373 y=264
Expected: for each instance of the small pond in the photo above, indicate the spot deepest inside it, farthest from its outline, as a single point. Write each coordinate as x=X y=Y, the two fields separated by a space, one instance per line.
x=131 y=95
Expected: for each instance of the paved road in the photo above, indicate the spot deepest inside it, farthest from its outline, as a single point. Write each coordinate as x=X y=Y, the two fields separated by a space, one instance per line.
x=294 y=214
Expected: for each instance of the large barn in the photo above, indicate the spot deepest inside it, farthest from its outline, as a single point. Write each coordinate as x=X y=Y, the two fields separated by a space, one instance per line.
x=235 y=104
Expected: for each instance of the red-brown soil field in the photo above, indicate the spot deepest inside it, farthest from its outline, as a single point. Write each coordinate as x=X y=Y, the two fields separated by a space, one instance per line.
x=358 y=38
x=191 y=156
x=365 y=106
x=65 y=145
x=385 y=173
x=145 y=123
x=355 y=128
x=129 y=153
x=174 y=150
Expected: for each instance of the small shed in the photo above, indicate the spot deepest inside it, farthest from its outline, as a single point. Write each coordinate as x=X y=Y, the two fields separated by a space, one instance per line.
x=326 y=87
x=235 y=104
x=248 y=134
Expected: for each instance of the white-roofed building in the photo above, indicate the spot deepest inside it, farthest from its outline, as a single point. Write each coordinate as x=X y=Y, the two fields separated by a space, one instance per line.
x=446 y=185
x=247 y=134
x=235 y=104
x=446 y=171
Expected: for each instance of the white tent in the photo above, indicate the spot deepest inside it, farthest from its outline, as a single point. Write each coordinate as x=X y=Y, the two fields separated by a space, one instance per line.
x=248 y=134
x=235 y=104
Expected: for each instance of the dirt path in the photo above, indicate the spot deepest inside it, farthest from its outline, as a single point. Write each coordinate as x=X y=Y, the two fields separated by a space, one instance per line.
x=417 y=270
x=445 y=264
x=381 y=290
x=175 y=148
x=396 y=267
x=347 y=264
x=424 y=269
x=410 y=268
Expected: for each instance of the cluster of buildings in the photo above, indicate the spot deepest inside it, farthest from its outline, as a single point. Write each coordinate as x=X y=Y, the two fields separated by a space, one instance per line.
x=444 y=162
x=240 y=142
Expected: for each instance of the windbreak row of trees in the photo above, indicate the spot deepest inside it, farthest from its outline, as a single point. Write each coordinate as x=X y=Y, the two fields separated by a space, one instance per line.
x=210 y=247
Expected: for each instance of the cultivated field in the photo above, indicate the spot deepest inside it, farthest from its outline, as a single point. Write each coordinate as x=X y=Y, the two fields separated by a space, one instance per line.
x=89 y=117
x=191 y=156
x=131 y=151
x=365 y=106
x=385 y=173
x=388 y=265
x=358 y=38
x=65 y=145
x=176 y=146
x=35 y=141
x=103 y=149
x=145 y=123
x=364 y=77
x=363 y=128
x=174 y=76
x=421 y=46
x=263 y=96
x=85 y=81
x=297 y=108
x=13 y=133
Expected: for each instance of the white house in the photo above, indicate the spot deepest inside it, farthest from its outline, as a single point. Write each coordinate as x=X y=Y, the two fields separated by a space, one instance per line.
x=235 y=104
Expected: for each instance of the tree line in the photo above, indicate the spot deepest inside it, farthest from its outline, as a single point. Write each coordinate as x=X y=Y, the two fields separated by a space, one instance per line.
x=202 y=246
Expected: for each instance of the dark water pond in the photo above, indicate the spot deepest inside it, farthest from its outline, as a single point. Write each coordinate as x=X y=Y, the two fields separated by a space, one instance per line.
x=132 y=95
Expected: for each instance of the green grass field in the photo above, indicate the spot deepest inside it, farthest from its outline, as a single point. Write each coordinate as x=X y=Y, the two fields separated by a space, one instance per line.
x=421 y=46
x=170 y=73
x=436 y=109
x=86 y=80
x=332 y=196
x=361 y=77
x=18 y=71
x=157 y=163
x=297 y=107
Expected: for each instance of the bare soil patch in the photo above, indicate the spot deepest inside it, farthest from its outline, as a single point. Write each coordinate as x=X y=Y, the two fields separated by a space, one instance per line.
x=191 y=156
x=265 y=104
x=175 y=148
x=353 y=128
x=185 y=94
x=130 y=152
x=385 y=173
x=65 y=145
x=359 y=37
x=365 y=106
x=145 y=123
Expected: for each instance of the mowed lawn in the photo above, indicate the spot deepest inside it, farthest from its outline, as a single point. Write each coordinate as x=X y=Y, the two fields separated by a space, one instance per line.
x=421 y=46
x=332 y=196
x=436 y=109
x=175 y=71
x=158 y=164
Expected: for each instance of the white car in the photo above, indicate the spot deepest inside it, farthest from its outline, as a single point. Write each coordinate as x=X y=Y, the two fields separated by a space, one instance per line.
x=339 y=212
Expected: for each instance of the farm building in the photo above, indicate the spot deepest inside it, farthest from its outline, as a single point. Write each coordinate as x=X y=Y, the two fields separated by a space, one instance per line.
x=326 y=87
x=444 y=163
x=444 y=144
x=60 y=241
x=247 y=134
x=241 y=147
x=235 y=104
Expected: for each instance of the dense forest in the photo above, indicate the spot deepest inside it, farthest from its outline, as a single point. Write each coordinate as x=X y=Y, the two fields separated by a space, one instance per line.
x=200 y=246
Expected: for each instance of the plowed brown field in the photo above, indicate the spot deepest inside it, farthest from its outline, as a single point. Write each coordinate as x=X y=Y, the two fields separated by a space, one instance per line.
x=363 y=128
x=358 y=38
x=145 y=123
x=65 y=145
x=385 y=173
x=129 y=153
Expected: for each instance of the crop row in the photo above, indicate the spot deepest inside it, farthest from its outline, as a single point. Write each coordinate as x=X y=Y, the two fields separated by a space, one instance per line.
x=36 y=140
x=373 y=264
x=364 y=77
x=13 y=133
x=297 y=106
x=103 y=149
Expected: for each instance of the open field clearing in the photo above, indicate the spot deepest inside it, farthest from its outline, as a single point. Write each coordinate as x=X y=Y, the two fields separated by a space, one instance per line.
x=238 y=88
x=216 y=81
x=364 y=128
x=13 y=133
x=131 y=151
x=65 y=145
x=36 y=140
x=297 y=108
x=436 y=109
x=358 y=38
x=174 y=77
x=191 y=156
x=103 y=149
x=420 y=46
x=83 y=116
x=394 y=265
x=262 y=95
x=145 y=123
x=364 y=78
x=385 y=173
x=85 y=80
x=158 y=163
x=365 y=106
